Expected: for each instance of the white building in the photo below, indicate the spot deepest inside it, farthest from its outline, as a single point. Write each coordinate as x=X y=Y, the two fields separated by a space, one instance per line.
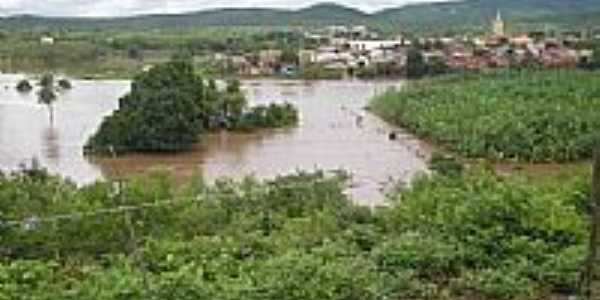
x=46 y=40
x=498 y=27
x=368 y=46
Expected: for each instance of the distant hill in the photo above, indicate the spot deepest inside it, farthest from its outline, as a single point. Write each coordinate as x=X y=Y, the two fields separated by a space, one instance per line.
x=476 y=12
x=433 y=15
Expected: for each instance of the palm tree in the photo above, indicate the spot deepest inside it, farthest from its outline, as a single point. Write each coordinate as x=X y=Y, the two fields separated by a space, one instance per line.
x=47 y=96
x=47 y=80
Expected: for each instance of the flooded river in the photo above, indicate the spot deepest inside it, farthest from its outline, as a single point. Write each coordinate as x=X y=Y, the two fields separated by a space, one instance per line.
x=335 y=133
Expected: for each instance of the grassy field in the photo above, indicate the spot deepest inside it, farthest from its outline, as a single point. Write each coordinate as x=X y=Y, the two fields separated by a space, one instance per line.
x=123 y=52
x=527 y=116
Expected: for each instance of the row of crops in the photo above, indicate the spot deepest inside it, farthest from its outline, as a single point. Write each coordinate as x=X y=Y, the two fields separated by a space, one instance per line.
x=547 y=116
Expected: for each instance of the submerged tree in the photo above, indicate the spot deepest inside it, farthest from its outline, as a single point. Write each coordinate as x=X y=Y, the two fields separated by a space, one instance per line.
x=47 y=80
x=24 y=86
x=416 y=66
x=233 y=102
x=163 y=112
x=65 y=84
x=47 y=95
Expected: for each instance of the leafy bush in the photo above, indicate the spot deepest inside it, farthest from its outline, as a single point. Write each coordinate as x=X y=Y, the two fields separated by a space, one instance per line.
x=65 y=84
x=445 y=165
x=271 y=116
x=549 y=116
x=320 y=73
x=24 y=86
x=296 y=237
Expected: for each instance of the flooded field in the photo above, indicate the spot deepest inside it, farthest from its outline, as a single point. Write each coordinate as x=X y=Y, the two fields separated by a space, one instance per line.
x=335 y=133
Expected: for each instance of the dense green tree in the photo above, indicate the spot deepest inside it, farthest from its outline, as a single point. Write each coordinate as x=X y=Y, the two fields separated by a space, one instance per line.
x=415 y=64
x=290 y=55
x=47 y=80
x=65 y=84
x=24 y=86
x=437 y=66
x=134 y=52
x=47 y=95
x=163 y=112
x=234 y=102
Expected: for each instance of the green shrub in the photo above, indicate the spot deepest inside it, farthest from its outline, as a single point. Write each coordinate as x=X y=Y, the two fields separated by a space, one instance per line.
x=271 y=116
x=24 y=86
x=445 y=165
x=65 y=84
x=295 y=237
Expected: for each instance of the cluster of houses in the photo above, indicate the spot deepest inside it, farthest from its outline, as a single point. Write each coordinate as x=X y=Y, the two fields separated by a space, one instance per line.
x=347 y=48
x=501 y=50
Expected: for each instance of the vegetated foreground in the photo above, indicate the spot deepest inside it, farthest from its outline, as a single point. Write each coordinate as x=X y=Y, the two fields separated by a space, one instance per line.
x=545 y=116
x=459 y=236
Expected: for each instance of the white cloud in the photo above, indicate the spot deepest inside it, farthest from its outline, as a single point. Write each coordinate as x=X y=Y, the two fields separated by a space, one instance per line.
x=134 y=7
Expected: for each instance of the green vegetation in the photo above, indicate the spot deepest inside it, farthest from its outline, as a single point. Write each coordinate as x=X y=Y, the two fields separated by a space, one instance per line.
x=318 y=72
x=473 y=15
x=65 y=84
x=24 y=86
x=549 y=116
x=297 y=237
x=123 y=52
x=268 y=116
x=47 y=95
x=378 y=70
x=163 y=112
x=120 y=48
x=416 y=66
x=170 y=106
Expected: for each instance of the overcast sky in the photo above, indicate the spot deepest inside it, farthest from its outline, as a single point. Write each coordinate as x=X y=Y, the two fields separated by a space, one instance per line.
x=134 y=7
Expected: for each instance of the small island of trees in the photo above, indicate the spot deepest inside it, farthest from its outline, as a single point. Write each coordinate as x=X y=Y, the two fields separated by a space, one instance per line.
x=170 y=106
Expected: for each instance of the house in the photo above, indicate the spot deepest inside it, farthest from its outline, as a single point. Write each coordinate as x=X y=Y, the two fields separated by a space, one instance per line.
x=336 y=31
x=270 y=57
x=368 y=46
x=359 y=32
x=559 y=57
x=307 y=57
x=47 y=40
x=269 y=61
x=521 y=41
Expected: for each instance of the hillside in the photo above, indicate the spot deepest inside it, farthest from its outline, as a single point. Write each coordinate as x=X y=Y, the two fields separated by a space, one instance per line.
x=434 y=15
x=476 y=12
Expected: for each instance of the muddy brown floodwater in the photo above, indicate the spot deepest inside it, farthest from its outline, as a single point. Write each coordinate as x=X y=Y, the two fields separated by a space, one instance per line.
x=335 y=133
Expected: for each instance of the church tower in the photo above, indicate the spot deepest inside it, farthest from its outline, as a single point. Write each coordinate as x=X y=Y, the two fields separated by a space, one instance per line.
x=498 y=25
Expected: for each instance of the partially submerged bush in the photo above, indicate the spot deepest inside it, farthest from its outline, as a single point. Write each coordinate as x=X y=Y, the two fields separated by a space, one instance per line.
x=269 y=116
x=47 y=80
x=24 y=86
x=65 y=84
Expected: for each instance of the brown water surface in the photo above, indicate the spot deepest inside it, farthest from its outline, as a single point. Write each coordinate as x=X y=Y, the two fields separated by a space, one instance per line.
x=335 y=133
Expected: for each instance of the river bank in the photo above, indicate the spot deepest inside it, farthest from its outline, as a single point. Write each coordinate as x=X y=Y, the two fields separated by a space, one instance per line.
x=334 y=133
